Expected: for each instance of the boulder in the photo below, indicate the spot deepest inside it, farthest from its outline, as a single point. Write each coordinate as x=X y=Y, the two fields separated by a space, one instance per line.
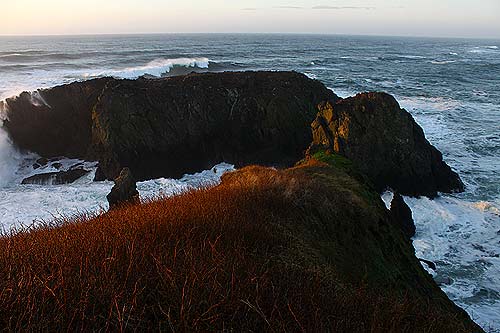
x=124 y=191
x=171 y=126
x=385 y=143
x=402 y=215
x=56 y=178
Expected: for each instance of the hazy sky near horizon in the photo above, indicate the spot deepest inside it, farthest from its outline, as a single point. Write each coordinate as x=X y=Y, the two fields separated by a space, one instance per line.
x=454 y=18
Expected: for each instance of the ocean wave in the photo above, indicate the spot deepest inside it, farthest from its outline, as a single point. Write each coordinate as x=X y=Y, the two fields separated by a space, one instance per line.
x=401 y=57
x=9 y=156
x=157 y=68
x=461 y=237
x=484 y=49
x=442 y=62
x=38 y=57
x=7 y=55
x=311 y=75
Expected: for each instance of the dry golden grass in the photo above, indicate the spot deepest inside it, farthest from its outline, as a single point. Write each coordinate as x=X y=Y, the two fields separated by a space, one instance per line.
x=241 y=256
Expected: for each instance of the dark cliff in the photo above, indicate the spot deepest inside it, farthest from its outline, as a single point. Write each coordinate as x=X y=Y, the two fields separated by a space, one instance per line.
x=167 y=127
x=385 y=143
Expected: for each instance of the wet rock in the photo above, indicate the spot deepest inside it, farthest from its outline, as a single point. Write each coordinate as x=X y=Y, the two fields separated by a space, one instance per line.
x=56 y=178
x=443 y=280
x=124 y=191
x=429 y=263
x=61 y=126
x=76 y=166
x=385 y=143
x=42 y=161
x=56 y=165
x=402 y=215
x=171 y=126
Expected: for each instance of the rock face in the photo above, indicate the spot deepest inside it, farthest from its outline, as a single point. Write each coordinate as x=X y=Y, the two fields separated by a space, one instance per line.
x=56 y=178
x=402 y=215
x=171 y=126
x=124 y=191
x=385 y=143
x=55 y=122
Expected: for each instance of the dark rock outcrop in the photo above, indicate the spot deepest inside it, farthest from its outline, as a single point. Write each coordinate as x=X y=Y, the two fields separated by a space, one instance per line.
x=54 y=122
x=172 y=126
x=56 y=178
x=124 y=191
x=402 y=215
x=385 y=143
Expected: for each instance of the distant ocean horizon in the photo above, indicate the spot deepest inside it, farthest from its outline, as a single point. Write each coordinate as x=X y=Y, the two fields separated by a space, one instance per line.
x=451 y=86
x=328 y=34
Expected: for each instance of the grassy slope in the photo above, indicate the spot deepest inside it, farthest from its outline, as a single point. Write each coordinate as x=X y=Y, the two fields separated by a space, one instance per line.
x=305 y=249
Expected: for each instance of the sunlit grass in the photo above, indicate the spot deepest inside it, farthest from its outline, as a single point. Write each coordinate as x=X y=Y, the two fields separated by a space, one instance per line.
x=241 y=256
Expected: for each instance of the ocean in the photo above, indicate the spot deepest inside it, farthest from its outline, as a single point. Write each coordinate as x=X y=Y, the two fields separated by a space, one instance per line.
x=450 y=86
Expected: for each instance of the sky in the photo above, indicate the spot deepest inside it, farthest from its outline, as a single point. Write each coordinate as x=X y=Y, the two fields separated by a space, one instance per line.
x=445 y=18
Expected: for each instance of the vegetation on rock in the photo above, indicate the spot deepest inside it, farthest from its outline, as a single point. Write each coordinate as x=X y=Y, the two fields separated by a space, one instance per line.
x=385 y=143
x=266 y=250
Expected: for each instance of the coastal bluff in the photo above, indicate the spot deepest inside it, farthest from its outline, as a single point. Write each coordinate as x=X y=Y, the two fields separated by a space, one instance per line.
x=298 y=238
x=385 y=143
x=171 y=126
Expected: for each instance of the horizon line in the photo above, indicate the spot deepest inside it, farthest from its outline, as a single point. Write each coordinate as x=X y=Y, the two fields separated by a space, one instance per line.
x=244 y=33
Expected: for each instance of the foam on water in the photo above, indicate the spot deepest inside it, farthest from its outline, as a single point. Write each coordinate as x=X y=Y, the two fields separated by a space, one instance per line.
x=26 y=205
x=157 y=68
x=9 y=157
x=461 y=237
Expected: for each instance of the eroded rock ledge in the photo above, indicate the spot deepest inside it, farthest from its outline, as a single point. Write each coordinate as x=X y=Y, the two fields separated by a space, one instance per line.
x=168 y=127
x=172 y=126
x=385 y=143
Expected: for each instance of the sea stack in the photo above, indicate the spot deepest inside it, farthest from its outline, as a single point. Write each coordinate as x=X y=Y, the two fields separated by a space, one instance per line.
x=124 y=191
x=385 y=143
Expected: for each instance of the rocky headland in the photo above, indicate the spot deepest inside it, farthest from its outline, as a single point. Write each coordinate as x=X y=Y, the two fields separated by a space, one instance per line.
x=171 y=126
x=309 y=242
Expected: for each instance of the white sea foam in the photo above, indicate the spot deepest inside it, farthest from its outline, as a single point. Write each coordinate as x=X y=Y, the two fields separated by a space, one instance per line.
x=8 y=55
x=461 y=237
x=29 y=204
x=412 y=56
x=9 y=157
x=311 y=75
x=157 y=68
x=442 y=62
x=343 y=93
x=484 y=49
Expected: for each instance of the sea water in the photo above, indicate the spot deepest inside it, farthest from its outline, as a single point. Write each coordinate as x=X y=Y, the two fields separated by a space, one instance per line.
x=450 y=86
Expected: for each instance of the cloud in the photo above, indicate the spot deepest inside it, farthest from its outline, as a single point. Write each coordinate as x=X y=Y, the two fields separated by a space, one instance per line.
x=342 y=7
x=320 y=7
x=289 y=7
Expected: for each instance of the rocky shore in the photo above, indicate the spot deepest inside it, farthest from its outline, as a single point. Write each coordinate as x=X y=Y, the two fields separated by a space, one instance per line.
x=337 y=156
x=172 y=126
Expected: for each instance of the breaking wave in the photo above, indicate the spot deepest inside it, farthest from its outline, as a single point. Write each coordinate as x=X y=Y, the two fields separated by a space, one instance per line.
x=9 y=156
x=157 y=68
